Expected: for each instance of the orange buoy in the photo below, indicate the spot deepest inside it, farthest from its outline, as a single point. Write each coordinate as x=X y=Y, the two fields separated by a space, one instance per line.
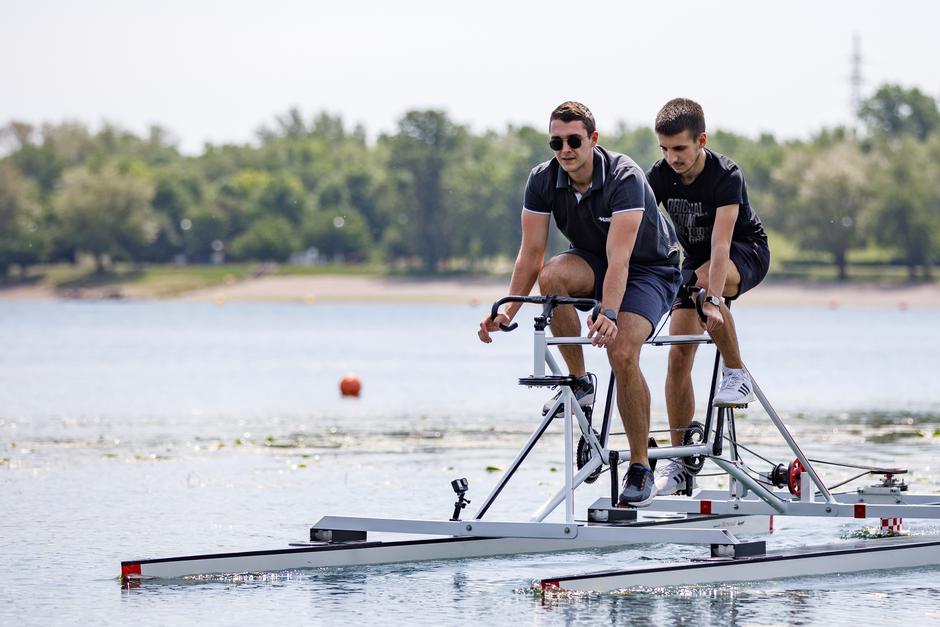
x=350 y=385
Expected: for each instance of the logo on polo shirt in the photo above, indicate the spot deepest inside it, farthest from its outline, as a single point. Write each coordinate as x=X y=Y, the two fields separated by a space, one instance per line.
x=605 y=219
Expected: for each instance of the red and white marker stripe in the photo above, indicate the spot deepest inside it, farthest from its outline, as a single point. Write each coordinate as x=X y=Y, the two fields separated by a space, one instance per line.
x=891 y=526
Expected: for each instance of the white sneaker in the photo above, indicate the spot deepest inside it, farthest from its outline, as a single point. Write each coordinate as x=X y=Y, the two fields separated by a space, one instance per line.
x=736 y=388
x=672 y=478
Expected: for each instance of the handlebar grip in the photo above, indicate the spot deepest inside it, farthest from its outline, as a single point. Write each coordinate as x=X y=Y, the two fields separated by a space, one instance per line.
x=509 y=328
x=698 y=295
x=596 y=311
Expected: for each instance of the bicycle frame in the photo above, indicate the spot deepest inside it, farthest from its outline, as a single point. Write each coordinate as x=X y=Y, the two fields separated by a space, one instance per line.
x=716 y=419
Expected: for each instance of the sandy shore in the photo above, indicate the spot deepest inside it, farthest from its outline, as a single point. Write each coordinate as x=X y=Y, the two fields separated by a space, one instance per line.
x=324 y=289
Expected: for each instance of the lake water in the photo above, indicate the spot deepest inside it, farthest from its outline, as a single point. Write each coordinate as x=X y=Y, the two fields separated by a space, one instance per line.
x=135 y=430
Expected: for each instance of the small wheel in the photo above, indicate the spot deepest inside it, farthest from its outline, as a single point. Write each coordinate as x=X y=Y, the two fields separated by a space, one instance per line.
x=652 y=444
x=780 y=476
x=693 y=436
x=584 y=456
x=794 y=473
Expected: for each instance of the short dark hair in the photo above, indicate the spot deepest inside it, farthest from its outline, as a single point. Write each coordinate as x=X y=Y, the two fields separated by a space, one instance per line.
x=680 y=114
x=571 y=111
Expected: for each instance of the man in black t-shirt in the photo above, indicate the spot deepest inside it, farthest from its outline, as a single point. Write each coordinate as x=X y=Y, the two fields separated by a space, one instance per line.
x=623 y=253
x=726 y=254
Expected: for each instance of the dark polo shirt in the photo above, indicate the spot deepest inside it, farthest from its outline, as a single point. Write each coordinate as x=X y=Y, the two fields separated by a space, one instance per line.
x=619 y=185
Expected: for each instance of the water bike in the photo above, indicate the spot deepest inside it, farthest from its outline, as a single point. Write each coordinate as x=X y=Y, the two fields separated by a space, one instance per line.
x=725 y=521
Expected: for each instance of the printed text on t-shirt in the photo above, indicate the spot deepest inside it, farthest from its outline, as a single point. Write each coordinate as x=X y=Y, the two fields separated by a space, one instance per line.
x=684 y=215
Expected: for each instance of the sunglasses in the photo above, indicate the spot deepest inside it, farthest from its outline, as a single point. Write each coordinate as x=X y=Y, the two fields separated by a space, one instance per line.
x=574 y=142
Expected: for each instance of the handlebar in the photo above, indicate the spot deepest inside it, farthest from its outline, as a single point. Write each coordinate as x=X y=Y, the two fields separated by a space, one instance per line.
x=698 y=297
x=548 y=304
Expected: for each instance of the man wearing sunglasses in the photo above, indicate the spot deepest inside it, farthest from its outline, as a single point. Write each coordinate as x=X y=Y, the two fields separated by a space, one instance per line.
x=623 y=253
x=726 y=254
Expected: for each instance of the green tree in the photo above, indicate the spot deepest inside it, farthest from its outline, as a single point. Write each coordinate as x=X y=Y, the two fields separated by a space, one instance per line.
x=757 y=159
x=906 y=208
x=421 y=151
x=826 y=192
x=105 y=213
x=72 y=142
x=200 y=229
x=639 y=143
x=177 y=191
x=284 y=196
x=895 y=111
x=271 y=238
x=339 y=233
x=237 y=197
x=362 y=186
x=484 y=192
x=21 y=239
x=40 y=162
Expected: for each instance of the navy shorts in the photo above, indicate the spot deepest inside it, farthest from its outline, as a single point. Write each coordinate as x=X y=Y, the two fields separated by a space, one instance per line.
x=752 y=259
x=650 y=289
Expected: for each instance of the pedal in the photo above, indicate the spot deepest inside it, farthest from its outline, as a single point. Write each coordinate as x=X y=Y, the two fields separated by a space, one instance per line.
x=739 y=551
x=336 y=536
x=603 y=513
x=548 y=381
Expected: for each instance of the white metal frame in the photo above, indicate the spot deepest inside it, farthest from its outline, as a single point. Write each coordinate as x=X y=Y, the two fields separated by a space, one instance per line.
x=744 y=497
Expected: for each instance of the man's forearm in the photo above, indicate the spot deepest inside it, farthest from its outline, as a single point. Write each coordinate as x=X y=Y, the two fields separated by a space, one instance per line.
x=615 y=284
x=718 y=271
x=524 y=274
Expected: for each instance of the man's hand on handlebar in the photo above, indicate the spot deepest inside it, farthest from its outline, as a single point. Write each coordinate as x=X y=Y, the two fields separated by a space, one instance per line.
x=713 y=318
x=491 y=325
x=602 y=329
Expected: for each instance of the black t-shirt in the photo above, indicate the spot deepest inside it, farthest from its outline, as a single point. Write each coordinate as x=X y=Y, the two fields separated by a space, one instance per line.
x=618 y=185
x=692 y=208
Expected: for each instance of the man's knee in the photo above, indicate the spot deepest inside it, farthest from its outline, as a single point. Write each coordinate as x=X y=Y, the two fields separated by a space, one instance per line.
x=551 y=277
x=567 y=275
x=624 y=355
x=624 y=362
x=681 y=359
x=557 y=276
x=732 y=278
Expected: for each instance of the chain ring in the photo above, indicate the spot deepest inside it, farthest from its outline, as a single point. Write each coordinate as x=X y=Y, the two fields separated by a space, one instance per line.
x=693 y=436
x=584 y=456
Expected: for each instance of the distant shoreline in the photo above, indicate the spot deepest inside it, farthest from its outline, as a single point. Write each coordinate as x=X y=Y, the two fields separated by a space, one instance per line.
x=344 y=288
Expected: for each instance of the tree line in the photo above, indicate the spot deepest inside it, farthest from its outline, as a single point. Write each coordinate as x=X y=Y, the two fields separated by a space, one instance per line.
x=433 y=195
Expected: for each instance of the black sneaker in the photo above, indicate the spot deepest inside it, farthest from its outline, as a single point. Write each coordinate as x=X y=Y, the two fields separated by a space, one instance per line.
x=639 y=487
x=583 y=391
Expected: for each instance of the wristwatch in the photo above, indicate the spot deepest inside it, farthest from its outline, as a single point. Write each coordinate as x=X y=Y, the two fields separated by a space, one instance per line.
x=610 y=313
x=714 y=300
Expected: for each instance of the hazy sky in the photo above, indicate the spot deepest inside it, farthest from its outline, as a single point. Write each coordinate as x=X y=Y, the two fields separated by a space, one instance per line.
x=214 y=71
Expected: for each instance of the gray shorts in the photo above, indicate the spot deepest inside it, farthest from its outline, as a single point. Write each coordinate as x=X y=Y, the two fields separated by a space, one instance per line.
x=650 y=289
x=752 y=259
